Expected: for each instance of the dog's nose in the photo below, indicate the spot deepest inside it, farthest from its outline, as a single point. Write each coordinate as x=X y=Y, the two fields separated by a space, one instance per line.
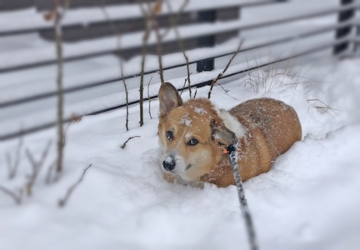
x=169 y=163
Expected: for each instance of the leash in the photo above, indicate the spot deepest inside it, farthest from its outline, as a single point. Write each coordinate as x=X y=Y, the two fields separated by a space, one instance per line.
x=231 y=151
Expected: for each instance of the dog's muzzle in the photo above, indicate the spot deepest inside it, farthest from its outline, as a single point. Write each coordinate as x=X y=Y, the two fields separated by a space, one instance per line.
x=169 y=163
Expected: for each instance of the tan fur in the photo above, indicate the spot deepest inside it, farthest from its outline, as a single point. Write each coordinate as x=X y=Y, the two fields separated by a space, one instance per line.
x=270 y=128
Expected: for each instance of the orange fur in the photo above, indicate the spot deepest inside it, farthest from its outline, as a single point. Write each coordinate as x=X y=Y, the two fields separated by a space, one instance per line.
x=265 y=129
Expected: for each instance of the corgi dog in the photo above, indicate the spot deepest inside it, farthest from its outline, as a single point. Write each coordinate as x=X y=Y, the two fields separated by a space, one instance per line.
x=193 y=135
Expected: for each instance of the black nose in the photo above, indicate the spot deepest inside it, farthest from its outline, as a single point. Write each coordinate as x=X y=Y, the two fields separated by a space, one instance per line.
x=169 y=164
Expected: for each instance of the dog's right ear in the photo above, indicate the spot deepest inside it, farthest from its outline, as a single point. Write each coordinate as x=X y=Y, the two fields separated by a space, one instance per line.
x=168 y=98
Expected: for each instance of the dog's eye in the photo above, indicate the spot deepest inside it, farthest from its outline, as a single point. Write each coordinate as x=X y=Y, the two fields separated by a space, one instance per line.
x=169 y=135
x=192 y=142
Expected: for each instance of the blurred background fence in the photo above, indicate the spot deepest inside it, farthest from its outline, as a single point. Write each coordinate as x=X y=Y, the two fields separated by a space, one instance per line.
x=98 y=35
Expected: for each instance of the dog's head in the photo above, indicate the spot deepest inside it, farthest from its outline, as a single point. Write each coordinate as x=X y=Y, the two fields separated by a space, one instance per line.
x=190 y=134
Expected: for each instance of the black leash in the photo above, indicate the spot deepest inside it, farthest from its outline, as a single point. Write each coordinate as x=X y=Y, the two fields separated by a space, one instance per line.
x=233 y=156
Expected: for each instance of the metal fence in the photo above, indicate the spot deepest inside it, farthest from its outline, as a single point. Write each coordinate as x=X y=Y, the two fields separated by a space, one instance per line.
x=345 y=39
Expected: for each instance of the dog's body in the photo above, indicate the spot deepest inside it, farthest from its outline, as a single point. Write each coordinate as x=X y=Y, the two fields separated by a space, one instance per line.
x=193 y=135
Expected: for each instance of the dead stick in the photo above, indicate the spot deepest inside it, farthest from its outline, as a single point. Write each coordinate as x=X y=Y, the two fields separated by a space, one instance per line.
x=225 y=69
x=62 y=202
x=17 y=198
x=130 y=138
x=148 y=90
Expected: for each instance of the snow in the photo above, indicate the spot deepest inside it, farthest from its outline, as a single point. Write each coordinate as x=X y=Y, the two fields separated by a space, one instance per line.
x=308 y=200
x=200 y=111
x=186 y=120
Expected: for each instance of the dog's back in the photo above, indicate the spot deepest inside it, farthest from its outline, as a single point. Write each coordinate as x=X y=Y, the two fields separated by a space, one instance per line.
x=278 y=122
x=272 y=127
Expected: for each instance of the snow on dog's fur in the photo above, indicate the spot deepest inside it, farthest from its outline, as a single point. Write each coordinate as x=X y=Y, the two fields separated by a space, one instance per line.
x=193 y=135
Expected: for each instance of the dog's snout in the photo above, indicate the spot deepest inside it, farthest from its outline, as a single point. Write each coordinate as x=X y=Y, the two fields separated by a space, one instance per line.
x=169 y=163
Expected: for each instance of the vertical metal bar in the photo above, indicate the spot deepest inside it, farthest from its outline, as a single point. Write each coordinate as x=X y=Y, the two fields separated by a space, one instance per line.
x=342 y=32
x=357 y=43
x=206 y=41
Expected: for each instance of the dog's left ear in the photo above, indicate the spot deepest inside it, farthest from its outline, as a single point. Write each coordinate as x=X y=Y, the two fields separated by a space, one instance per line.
x=221 y=134
x=168 y=98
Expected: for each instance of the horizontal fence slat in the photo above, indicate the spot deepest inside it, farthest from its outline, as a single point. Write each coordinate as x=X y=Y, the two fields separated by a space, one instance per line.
x=202 y=77
x=12 y=23
x=103 y=46
x=193 y=58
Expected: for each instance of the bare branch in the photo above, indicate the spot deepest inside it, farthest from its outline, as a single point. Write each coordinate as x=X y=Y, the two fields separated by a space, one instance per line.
x=179 y=40
x=225 y=69
x=158 y=47
x=17 y=197
x=73 y=119
x=59 y=82
x=36 y=167
x=116 y=31
x=176 y=18
x=143 y=59
x=13 y=167
x=182 y=90
x=62 y=202
x=49 y=173
x=195 y=93
x=149 y=98
x=151 y=22
x=130 y=138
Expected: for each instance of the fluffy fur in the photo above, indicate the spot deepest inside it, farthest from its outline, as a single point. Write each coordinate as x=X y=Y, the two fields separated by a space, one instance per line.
x=193 y=135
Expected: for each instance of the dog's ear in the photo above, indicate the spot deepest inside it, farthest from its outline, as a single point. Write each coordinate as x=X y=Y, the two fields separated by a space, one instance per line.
x=221 y=134
x=168 y=98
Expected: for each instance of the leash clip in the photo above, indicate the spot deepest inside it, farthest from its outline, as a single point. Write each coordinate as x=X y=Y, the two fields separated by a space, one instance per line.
x=229 y=149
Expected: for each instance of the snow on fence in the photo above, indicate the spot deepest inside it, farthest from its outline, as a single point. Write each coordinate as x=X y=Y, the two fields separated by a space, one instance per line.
x=31 y=70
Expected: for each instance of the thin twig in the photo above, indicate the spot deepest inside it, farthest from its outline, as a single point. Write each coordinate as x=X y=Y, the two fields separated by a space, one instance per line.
x=195 y=93
x=116 y=31
x=176 y=18
x=143 y=59
x=225 y=69
x=17 y=198
x=155 y=27
x=62 y=202
x=13 y=167
x=36 y=166
x=49 y=173
x=130 y=138
x=74 y=118
x=180 y=41
x=148 y=92
x=182 y=90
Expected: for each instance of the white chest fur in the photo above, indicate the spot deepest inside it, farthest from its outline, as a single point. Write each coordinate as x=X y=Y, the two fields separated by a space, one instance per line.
x=232 y=123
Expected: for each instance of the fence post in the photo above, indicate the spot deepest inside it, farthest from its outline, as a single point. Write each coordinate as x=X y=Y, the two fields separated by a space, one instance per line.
x=342 y=32
x=206 y=41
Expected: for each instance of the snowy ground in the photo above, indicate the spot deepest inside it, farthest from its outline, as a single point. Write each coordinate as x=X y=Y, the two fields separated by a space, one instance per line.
x=308 y=200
